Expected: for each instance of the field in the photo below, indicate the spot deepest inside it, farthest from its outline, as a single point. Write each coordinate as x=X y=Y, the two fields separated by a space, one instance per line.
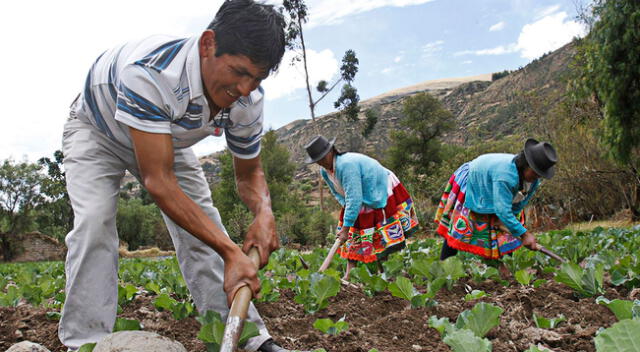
x=591 y=303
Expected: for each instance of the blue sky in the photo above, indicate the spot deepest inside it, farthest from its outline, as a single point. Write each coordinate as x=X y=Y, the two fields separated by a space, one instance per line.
x=398 y=42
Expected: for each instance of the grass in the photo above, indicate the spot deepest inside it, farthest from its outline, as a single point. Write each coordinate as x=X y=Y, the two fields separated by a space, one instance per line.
x=590 y=225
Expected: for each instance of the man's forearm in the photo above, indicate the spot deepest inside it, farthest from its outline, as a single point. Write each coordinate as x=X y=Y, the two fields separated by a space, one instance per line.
x=252 y=186
x=188 y=215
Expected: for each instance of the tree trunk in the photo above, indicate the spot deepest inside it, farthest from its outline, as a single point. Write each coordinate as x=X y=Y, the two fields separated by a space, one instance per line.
x=306 y=71
x=320 y=182
x=7 y=253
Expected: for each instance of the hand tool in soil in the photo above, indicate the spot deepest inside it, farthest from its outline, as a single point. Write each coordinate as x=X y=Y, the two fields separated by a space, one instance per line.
x=238 y=311
x=551 y=254
x=332 y=253
x=542 y=249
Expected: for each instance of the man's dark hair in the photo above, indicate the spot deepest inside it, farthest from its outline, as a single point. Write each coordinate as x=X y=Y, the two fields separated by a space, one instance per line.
x=244 y=27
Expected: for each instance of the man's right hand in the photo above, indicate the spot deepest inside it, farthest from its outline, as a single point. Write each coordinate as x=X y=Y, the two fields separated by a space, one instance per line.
x=239 y=271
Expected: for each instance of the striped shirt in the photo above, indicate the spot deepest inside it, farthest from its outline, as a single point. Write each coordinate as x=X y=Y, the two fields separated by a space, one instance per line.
x=154 y=85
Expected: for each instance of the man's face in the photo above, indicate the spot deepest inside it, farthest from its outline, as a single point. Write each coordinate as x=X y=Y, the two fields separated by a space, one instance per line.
x=227 y=77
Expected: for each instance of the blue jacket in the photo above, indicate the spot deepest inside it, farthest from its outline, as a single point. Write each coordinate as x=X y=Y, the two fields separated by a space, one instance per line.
x=491 y=185
x=364 y=181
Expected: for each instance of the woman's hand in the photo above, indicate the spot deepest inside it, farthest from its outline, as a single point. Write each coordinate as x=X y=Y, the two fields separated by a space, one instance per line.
x=343 y=235
x=529 y=241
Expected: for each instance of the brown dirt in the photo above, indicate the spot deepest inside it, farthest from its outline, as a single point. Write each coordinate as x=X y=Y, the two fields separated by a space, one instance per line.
x=383 y=322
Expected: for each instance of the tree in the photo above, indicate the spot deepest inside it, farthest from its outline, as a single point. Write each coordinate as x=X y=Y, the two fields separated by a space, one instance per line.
x=348 y=100
x=137 y=222
x=19 y=194
x=417 y=150
x=370 y=122
x=55 y=215
x=608 y=71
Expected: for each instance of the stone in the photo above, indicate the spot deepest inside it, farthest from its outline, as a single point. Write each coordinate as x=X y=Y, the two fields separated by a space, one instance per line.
x=137 y=341
x=27 y=346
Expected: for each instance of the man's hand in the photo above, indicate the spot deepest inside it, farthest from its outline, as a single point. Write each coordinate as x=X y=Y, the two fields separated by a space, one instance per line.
x=343 y=235
x=529 y=241
x=239 y=271
x=262 y=235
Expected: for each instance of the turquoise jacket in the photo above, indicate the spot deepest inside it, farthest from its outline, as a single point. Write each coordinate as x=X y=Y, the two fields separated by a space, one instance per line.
x=491 y=185
x=364 y=181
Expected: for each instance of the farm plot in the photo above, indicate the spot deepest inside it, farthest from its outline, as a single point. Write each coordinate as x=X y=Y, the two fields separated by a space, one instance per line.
x=419 y=303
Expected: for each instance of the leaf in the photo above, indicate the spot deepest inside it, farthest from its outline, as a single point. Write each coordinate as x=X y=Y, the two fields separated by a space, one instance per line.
x=421 y=267
x=570 y=274
x=419 y=300
x=323 y=287
x=249 y=330
x=480 y=319
x=323 y=325
x=523 y=277
x=539 y=283
x=443 y=325
x=466 y=341
x=547 y=323
x=475 y=294
x=402 y=288
x=621 y=308
x=126 y=324
x=87 y=347
x=620 y=337
x=592 y=280
x=164 y=302
x=327 y=326
x=53 y=315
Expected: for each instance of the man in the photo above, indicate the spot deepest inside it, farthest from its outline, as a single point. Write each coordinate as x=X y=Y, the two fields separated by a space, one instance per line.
x=143 y=105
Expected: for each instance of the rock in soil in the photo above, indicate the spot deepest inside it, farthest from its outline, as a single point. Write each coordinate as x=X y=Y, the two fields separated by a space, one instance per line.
x=27 y=346
x=137 y=341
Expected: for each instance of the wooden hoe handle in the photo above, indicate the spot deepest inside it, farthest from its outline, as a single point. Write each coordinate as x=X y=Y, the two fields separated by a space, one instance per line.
x=238 y=311
x=552 y=255
x=329 y=258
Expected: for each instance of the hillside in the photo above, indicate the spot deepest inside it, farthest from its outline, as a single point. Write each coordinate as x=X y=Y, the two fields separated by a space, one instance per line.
x=483 y=109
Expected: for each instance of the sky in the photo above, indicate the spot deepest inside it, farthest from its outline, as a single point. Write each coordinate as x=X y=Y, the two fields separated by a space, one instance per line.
x=50 y=45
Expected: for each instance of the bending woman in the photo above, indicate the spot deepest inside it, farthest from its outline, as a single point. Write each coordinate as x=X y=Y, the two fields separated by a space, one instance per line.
x=377 y=211
x=481 y=210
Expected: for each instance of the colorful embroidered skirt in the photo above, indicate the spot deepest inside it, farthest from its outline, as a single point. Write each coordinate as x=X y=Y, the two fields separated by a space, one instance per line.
x=465 y=230
x=379 y=232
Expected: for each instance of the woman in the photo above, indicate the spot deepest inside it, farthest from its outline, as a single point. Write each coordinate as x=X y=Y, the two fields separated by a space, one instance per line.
x=481 y=210
x=377 y=211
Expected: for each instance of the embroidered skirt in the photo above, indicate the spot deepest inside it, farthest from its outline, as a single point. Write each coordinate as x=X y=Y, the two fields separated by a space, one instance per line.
x=379 y=232
x=465 y=230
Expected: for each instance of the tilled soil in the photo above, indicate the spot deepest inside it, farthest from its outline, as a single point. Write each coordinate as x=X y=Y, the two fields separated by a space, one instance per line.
x=383 y=321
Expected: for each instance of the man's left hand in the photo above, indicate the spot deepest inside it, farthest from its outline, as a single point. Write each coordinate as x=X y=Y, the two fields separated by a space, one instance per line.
x=262 y=235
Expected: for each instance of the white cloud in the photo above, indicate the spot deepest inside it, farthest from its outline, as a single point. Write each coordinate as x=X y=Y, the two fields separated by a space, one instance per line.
x=387 y=70
x=289 y=78
x=497 y=27
x=544 y=35
x=325 y=12
x=467 y=62
x=397 y=59
x=547 y=34
x=430 y=49
x=498 y=50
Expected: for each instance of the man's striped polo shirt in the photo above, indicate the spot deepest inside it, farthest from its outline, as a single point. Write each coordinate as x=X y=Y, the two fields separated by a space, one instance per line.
x=154 y=85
